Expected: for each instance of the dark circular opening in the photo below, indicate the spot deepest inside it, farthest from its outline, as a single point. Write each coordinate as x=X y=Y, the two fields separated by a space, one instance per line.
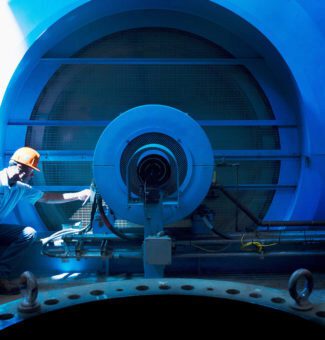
x=51 y=302
x=154 y=171
x=278 y=300
x=187 y=287
x=233 y=291
x=164 y=286
x=6 y=316
x=73 y=296
x=321 y=314
x=97 y=292
x=142 y=287
x=255 y=295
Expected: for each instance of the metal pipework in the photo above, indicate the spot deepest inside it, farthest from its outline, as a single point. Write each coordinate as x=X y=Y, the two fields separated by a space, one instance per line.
x=249 y=254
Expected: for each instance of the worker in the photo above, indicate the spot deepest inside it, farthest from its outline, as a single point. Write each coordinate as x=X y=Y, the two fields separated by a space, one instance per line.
x=13 y=189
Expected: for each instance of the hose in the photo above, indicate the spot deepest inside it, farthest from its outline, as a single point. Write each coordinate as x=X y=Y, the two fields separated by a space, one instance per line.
x=108 y=224
x=210 y=226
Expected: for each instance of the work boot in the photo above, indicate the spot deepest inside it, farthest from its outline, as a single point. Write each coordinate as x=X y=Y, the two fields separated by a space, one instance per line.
x=8 y=288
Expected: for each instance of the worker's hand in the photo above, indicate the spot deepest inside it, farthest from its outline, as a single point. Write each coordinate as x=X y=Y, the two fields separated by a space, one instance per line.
x=84 y=195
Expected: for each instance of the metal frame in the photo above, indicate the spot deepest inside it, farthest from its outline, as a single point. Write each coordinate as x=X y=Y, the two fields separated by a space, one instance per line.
x=275 y=123
x=150 y=61
x=36 y=76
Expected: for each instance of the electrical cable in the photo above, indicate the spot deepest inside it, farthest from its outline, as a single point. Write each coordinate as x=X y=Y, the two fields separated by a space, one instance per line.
x=108 y=224
x=258 y=245
x=210 y=250
x=58 y=235
x=210 y=226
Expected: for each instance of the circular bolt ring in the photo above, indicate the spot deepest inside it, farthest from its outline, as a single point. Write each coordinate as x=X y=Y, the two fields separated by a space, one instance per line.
x=301 y=297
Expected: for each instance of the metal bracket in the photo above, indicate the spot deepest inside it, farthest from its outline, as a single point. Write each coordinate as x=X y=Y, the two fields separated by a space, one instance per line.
x=301 y=297
x=29 y=291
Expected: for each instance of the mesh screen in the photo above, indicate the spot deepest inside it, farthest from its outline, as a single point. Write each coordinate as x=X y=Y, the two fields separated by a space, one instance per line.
x=54 y=215
x=85 y=138
x=233 y=172
x=228 y=218
x=99 y=92
x=205 y=92
x=64 y=173
x=153 y=42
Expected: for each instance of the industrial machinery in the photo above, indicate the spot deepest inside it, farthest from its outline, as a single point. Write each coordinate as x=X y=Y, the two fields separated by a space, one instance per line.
x=198 y=125
x=153 y=166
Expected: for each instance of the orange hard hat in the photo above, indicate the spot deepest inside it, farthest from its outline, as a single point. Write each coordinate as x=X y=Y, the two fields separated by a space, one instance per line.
x=27 y=156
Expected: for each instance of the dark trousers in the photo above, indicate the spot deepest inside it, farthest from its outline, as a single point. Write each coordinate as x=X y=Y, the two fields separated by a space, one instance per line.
x=16 y=238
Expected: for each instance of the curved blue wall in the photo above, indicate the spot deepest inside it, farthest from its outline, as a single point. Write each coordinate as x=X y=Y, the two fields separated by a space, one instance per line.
x=289 y=36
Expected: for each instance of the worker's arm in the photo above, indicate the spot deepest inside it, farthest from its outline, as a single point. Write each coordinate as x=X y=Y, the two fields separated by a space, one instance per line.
x=56 y=198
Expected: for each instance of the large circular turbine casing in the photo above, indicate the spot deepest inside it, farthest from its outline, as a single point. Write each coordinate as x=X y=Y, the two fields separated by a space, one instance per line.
x=157 y=125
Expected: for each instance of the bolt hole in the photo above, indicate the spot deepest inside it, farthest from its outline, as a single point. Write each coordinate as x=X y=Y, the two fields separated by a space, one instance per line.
x=164 y=287
x=73 y=296
x=187 y=287
x=6 y=316
x=119 y=289
x=142 y=287
x=321 y=314
x=51 y=302
x=97 y=292
x=255 y=295
x=233 y=291
x=278 y=300
x=210 y=289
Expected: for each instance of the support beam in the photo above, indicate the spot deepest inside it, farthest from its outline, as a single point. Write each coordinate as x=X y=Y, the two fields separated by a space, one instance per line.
x=151 y=61
x=58 y=188
x=220 y=155
x=87 y=123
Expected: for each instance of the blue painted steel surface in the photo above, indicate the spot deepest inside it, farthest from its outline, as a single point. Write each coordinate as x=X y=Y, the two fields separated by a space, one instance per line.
x=274 y=299
x=291 y=78
x=153 y=119
x=288 y=35
x=106 y=122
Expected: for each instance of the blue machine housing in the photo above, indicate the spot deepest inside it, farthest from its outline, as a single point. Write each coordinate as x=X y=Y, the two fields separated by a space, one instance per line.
x=148 y=120
x=257 y=35
x=291 y=78
x=276 y=52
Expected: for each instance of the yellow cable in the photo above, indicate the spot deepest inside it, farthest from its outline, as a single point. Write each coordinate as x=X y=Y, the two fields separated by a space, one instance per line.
x=258 y=245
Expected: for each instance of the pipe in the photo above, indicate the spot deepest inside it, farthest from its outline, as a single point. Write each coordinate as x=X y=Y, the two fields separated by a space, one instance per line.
x=259 y=222
x=279 y=240
x=250 y=254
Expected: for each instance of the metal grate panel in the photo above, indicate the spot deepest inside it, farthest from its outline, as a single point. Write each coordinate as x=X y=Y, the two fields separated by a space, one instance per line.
x=100 y=92
x=205 y=92
x=64 y=173
x=228 y=218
